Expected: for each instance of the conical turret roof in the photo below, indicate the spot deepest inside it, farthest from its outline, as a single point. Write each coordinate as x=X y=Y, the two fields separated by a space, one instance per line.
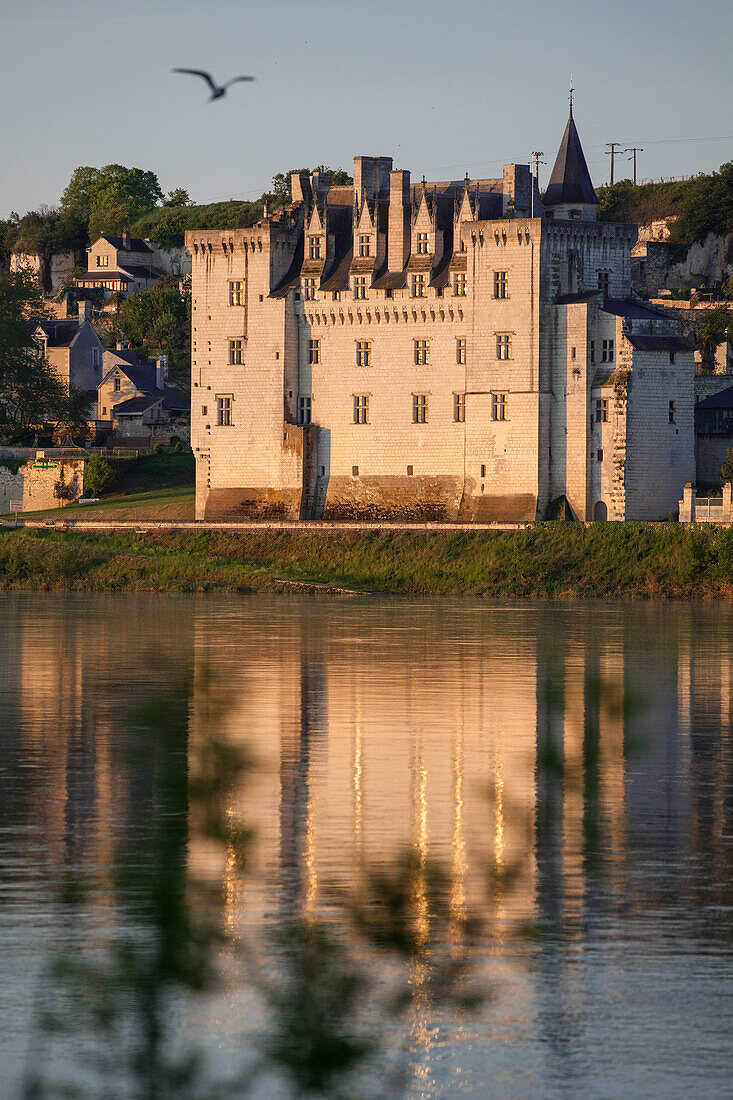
x=570 y=180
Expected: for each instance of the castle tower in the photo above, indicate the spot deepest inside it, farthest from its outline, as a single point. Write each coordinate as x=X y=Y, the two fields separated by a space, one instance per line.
x=570 y=192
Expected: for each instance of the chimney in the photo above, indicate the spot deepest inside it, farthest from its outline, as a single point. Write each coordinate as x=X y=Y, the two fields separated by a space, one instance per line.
x=161 y=369
x=126 y=239
x=85 y=311
x=398 y=229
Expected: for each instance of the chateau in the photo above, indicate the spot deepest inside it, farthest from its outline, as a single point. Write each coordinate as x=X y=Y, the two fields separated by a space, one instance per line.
x=441 y=350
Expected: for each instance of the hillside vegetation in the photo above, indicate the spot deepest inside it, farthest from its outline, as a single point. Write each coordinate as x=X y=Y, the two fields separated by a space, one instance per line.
x=701 y=205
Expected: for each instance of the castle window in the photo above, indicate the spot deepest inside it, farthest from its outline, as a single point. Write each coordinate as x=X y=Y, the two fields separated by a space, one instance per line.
x=503 y=345
x=483 y=469
x=96 y=357
x=204 y=410
x=363 y=353
x=361 y=408
x=365 y=244
x=419 y=408
x=461 y=350
x=314 y=351
x=388 y=294
x=671 y=412
x=671 y=358
x=603 y=278
x=607 y=351
x=117 y=385
x=410 y=471
x=459 y=407
x=314 y=248
x=236 y=293
x=360 y=286
x=354 y=471
x=592 y=351
x=572 y=353
x=601 y=410
x=501 y=284
x=599 y=455
x=498 y=406
x=309 y=290
x=423 y=244
x=418 y=285
x=459 y=284
x=224 y=410
x=304 y=410
x=235 y=352
x=422 y=352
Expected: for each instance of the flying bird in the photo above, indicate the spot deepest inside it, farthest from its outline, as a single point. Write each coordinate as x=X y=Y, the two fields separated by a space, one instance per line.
x=217 y=90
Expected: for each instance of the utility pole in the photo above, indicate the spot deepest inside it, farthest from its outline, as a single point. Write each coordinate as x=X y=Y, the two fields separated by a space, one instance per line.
x=611 y=152
x=536 y=154
x=634 y=150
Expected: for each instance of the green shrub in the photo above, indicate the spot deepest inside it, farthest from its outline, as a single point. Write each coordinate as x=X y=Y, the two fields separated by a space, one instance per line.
x=99 y=477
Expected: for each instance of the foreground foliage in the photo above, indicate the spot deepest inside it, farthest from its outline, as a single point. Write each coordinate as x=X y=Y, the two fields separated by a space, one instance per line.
x=632 y=560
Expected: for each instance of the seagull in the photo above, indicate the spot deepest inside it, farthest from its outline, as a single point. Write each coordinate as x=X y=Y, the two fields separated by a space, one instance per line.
x=217 y=90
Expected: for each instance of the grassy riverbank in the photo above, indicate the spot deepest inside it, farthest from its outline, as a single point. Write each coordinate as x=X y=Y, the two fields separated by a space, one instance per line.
x=555 y=559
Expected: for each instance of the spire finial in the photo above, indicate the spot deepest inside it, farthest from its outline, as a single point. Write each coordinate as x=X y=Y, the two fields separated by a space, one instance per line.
x=572 y=89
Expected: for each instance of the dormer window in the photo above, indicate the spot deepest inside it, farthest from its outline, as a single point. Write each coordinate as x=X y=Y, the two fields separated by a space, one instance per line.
x=365 y=244
x=418 y=285
x=423 y=244
x=314 y=248
x=117 y=384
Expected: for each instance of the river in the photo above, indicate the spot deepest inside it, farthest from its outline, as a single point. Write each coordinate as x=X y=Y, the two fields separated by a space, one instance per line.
x=565 y=769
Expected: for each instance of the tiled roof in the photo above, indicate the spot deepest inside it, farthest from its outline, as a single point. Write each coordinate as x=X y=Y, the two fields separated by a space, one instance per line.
x=139 y=272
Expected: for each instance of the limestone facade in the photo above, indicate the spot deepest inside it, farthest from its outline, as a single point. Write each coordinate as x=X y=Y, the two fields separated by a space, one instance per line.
x=434 y=351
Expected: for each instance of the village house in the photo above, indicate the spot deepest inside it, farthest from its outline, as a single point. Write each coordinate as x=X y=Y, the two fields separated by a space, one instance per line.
x=120 y=266
x=440 y=350
x=73 y=349
x=135 y=402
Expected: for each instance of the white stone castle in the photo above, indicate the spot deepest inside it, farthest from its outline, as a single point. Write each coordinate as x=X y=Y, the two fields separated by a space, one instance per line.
x=451 y=350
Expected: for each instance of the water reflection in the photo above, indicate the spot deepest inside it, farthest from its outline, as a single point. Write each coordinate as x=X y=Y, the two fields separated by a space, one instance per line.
x=569 y=766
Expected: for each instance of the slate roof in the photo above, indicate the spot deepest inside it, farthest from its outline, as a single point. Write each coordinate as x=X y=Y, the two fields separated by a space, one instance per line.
x=59 y=334
x=134 y=244
x=100 y=275
x=573 y=299
x=644 y=342
x=722 y=400
x=636 y=311
x=570 y=180
x=135 y=405
x=139 y=272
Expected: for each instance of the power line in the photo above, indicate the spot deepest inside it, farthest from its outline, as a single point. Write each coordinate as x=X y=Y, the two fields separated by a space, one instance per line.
x=634 y=150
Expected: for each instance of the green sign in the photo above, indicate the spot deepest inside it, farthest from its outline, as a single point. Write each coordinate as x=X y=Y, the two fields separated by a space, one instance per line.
x=45 y=464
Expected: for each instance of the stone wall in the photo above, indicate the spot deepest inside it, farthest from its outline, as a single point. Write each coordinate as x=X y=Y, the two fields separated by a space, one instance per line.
x=38 y=481
x=711 y=453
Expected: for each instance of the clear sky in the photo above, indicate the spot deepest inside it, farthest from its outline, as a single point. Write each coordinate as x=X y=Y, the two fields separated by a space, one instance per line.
x=442 y=87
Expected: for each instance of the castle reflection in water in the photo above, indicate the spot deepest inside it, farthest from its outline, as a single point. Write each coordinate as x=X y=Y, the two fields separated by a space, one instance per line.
x=378 y=725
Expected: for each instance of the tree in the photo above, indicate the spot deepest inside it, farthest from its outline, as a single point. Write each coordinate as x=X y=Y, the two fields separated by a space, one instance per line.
x=178 y=197
x=108 y=199
x=160 y=320
x=99 y=476
x=713 y=327
x=31 y=391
